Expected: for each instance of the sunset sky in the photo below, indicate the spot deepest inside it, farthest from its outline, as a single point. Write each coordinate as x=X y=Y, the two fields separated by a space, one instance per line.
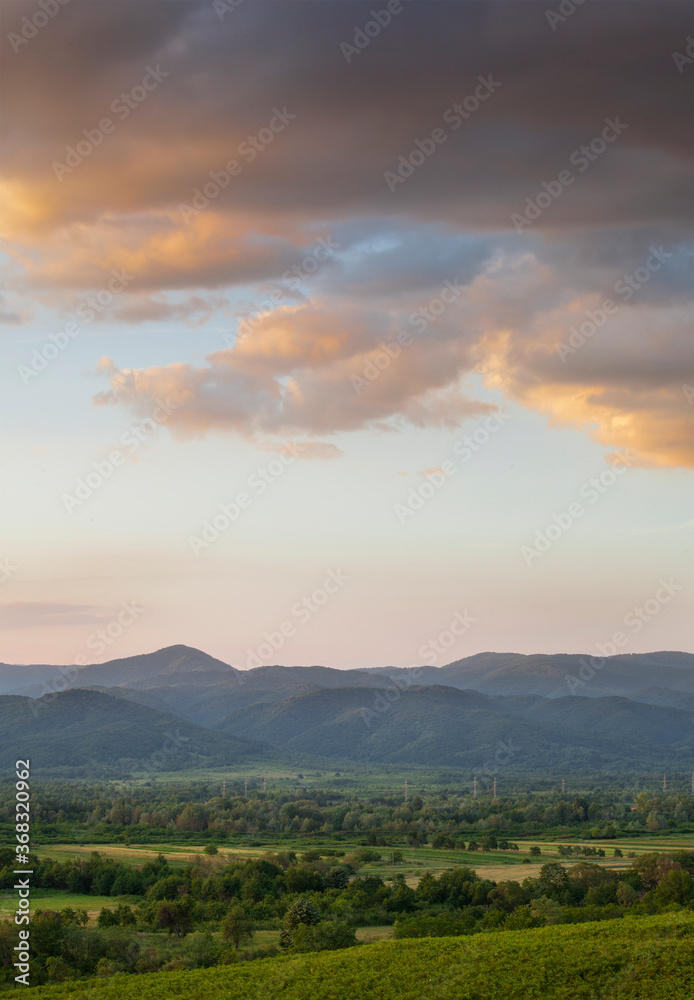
x=215 y=216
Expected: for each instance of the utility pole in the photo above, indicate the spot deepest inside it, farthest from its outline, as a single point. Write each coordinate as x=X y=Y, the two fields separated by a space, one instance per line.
x=224 y=789
x=494 y=788
x=405 y=789
x=664 y=783
x=245 y=788
x=563 y=785
x=474 y=787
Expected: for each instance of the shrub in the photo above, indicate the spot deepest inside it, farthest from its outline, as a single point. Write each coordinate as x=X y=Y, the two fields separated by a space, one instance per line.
x=328 y=935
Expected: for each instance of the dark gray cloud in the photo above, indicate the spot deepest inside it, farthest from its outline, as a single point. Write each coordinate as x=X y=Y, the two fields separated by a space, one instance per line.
x=600 y=97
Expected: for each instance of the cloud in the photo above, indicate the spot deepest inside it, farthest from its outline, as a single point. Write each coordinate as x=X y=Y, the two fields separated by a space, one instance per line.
x=9 y=315
x=225 y=80
x=307 y=450
x=193 y=310
x=39 y=614
x=295 y=373
x=324 y=173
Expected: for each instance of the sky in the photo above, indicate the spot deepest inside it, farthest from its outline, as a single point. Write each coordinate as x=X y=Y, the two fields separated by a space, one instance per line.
x=343 y=333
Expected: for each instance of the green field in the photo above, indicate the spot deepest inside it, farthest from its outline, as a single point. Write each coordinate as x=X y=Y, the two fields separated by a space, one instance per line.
x=497 y=865
x=59 y=899
x=648 y=958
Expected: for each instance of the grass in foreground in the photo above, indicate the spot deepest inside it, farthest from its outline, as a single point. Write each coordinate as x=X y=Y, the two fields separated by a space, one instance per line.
x=647 y=958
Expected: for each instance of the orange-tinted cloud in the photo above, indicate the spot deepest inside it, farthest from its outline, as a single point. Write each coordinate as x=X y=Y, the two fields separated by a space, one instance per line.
x=222 y=83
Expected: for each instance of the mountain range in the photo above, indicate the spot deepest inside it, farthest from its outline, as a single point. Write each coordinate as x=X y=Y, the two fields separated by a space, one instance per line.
x=178 y=708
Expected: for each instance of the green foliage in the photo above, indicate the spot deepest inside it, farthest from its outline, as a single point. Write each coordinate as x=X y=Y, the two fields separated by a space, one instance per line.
x=236 y=927
x=107 y=918
x=317 y=896
x=116 y=736
x=647 y=958
x=337 y=877
x=59 y=971
x=303 y=911
x=175 y=916
x=433 y=925
x=328 y=935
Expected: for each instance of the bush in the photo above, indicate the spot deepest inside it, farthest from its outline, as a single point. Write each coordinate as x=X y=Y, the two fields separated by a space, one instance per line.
x=327 y=935
x=430 y=925
x=59 y=971
x=107 y=918
x=522 y=918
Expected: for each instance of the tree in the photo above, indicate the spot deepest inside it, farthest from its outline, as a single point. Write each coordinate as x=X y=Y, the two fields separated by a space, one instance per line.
x=304 y=911
x=107 y=918
x=548 y=910
x=58 y=970
x=675 y=887
x=535 y=851
x=338 y=877
x=553 y=880
x=237 y=928
x=626 y=894
x=107 y=967
x=175 y=916
x=125 y=915
x=522 y=918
